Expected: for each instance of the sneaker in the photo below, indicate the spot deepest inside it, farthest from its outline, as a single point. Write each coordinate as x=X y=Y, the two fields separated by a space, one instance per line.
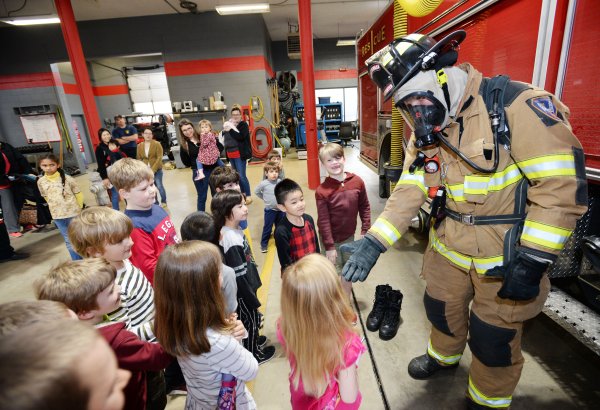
x=15 y=234
x=263 y=250
x=163 y=205
x=262 y=341
x=248 y=200
x=267 y=354
x=199 y=175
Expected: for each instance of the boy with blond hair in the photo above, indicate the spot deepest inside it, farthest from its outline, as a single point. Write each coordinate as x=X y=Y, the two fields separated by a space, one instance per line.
x=341 y=197
x=266 y=191
x=59 y=364
x=99 y=231
x=88 y=288
x=153 y=228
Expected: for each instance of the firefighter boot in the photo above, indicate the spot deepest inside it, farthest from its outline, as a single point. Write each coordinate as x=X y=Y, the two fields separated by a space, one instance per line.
x=391 y=318
x=421 y=367
x=379 y=304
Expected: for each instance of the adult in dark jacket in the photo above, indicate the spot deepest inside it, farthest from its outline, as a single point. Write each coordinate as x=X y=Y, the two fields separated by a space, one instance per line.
x=13 y=166
x=104 y=160
x=189 y=140
x=237 y=146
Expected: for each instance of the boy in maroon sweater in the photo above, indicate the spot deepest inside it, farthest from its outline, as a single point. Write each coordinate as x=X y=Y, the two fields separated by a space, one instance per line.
x=88 y=288
x=341 y=197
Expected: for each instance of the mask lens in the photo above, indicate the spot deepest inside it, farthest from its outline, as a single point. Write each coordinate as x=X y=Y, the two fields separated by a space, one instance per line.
x=424 y=114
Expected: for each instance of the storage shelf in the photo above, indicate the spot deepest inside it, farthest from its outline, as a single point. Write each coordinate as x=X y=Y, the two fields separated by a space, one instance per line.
x=330 y=115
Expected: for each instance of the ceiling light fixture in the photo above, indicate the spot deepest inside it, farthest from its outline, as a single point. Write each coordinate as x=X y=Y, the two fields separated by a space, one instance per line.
x=30 y=21
x=348 y=42
x=243 y=9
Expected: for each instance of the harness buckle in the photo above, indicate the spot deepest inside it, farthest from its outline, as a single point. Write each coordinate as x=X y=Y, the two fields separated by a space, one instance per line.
x=467 y=219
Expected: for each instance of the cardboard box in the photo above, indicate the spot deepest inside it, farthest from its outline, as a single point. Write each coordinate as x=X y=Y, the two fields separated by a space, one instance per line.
x=211 y=100
x=302 y=154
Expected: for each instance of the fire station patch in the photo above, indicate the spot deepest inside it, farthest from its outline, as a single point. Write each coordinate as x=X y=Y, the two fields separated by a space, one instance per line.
x=544 y=108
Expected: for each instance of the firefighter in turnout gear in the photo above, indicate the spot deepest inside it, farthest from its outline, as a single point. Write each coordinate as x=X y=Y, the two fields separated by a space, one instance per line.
x=511 y=185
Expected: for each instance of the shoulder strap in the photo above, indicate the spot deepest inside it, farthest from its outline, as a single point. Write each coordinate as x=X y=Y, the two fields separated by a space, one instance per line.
x=498 y=93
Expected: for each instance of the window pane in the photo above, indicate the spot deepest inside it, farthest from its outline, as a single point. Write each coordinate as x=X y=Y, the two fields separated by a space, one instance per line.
x=350 y=104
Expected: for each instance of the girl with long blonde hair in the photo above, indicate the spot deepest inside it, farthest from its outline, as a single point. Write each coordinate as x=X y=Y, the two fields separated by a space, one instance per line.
x=190 y=323
x=318 y=337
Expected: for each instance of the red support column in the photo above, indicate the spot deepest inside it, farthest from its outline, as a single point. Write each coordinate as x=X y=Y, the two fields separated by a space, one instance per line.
x=73 y=43
x=308 y=89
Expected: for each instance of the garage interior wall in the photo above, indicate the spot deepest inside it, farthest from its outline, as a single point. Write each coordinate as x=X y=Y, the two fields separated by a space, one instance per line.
x=200 y=53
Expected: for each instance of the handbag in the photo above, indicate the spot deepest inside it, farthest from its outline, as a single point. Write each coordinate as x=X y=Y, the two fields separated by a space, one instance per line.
x=227 y=393
x=28 y=215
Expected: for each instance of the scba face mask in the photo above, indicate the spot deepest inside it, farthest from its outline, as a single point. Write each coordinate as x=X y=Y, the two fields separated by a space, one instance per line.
x=425 y=115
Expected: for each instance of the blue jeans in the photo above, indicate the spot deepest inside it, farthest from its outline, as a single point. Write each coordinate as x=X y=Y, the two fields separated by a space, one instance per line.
x=272 y=217
x=159 y=185
x=114 y=198
x=202 y=186
x=240 y=166
x=63 y=227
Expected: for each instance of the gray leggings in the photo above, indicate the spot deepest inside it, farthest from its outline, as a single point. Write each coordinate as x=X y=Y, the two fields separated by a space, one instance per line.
x=11 y=216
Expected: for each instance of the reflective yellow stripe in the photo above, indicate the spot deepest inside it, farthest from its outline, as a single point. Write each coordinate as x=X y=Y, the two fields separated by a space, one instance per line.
x=481 y=399
x=553 y=237
x=456 y=192
x=386 y=230
x=446 y=360
x=549 y=166
x=481 y=185
x=464 y=261
x=417 y=179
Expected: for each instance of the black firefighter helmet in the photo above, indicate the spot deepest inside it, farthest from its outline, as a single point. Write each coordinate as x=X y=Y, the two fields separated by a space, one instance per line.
x=392 y=66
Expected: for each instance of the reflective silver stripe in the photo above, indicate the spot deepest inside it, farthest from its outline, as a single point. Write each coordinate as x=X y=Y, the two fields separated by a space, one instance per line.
x=454 y=257
x=552 y=237
x=493 y=402
x=456 y=192
x=476 y=186
x=483 y=264
x=549 y=166
x=447 y=360
x=418 y=179
x=386 y=230
x=501 y=180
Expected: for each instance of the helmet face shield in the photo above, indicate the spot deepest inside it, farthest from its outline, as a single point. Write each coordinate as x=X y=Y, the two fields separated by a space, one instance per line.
x=424 y=114
x=381 y=77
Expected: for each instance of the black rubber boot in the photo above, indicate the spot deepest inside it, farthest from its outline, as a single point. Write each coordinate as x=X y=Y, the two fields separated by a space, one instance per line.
x=379 y=304
x=391 y=318
x=421 y=367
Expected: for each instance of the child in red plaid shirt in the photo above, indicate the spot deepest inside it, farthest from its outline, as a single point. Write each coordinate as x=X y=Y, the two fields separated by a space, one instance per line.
x=295 y=235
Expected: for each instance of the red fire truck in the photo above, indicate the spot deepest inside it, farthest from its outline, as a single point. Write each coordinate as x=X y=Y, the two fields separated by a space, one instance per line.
x=551 y=44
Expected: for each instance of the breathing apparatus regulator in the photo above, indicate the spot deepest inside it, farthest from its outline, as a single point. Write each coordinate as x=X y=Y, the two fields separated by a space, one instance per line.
x=404 y=58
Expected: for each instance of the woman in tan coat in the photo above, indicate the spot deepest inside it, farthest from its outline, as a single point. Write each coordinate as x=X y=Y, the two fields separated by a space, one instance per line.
x=151 y=153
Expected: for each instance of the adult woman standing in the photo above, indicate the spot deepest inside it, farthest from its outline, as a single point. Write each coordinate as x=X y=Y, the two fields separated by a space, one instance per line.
x=190 y=143
x=104 y=160
x=237 y=145
x=150 y=152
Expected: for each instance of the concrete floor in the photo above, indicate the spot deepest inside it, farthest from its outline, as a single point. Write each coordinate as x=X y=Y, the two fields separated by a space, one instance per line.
x=559 y=373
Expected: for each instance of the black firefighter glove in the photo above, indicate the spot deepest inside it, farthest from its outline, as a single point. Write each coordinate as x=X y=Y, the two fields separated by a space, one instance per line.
x=365 y=253
x=521 y=276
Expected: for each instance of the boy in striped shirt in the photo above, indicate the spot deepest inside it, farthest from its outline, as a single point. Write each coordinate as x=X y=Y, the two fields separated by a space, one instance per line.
x=99 y=231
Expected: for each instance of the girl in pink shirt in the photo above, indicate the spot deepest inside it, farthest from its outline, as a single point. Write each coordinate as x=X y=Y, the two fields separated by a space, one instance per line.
x=316 y=332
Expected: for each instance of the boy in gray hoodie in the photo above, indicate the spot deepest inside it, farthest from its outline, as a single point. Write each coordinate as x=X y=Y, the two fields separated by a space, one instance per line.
x=266 y=191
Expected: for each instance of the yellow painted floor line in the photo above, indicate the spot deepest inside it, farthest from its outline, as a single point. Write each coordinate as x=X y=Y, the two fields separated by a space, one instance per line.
x=263 y=291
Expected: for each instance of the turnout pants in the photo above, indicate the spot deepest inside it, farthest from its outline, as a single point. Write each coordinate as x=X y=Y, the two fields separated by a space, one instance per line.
x=493 y=327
